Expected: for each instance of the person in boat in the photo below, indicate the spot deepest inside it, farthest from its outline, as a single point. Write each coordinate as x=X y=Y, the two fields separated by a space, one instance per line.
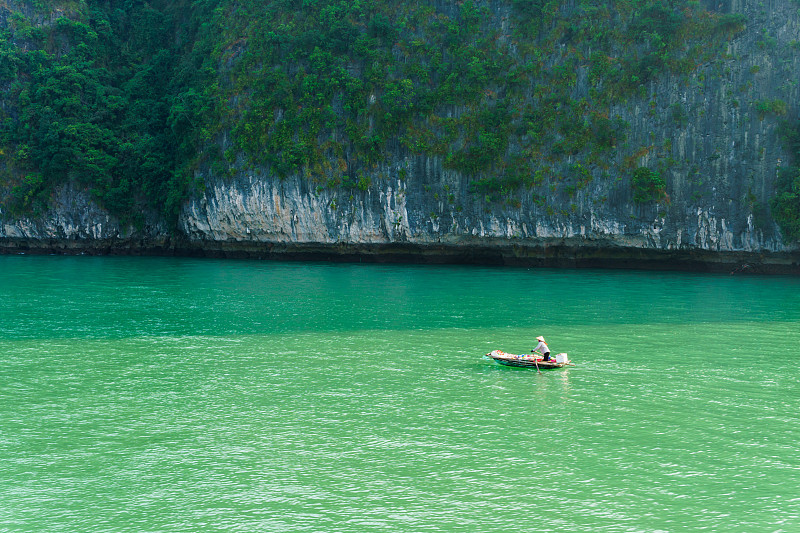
x=542 y=349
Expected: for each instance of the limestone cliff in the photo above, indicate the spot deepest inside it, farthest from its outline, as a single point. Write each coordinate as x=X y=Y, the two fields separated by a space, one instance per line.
x=723 y=155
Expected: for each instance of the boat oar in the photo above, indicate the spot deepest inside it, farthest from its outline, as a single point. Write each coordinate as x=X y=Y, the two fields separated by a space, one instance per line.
x=536 y=361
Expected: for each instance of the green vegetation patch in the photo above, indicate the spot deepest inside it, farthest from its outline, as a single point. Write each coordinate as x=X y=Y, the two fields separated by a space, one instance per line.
x=105 y=98
x=785 y=206
x=648 y=186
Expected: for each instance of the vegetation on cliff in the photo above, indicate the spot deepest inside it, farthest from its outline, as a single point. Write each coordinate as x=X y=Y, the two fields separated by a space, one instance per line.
x=129 y=99
x=114 y=96
x=786 y=203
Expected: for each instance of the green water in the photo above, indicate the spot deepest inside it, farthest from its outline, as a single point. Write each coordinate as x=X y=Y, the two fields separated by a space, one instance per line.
x=177 y=395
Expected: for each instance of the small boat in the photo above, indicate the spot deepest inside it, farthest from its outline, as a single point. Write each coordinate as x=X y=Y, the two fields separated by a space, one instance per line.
x=529 y=361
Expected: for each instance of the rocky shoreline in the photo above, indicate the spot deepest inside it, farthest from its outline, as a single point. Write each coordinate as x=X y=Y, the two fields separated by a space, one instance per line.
x=556 y=254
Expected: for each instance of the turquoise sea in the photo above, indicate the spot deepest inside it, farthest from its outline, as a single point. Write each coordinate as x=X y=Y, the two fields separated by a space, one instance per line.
x=186 y=395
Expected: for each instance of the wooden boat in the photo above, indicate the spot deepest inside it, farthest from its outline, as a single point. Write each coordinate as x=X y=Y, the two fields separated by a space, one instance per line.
x=528 y=361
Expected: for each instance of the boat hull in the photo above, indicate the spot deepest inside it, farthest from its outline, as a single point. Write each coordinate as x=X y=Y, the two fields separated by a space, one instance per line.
x=524 y=361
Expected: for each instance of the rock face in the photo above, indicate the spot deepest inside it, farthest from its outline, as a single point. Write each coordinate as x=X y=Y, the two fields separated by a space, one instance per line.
x=722 y=160
x=76 y=224
x=256 y=215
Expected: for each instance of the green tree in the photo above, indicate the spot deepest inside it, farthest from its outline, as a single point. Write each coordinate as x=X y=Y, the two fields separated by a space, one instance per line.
x=648 y=186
